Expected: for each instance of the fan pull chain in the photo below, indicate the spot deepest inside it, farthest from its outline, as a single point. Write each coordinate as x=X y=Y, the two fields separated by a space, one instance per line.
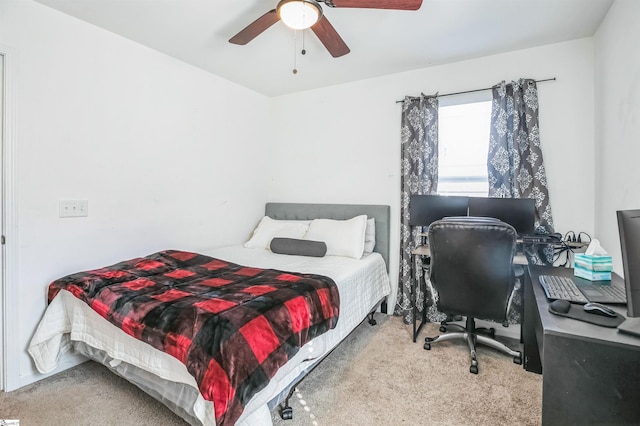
x=304 y=51
x=295 y=49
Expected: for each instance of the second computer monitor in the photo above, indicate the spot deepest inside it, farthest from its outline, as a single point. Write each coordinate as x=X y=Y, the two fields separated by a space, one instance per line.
x=426 y=209
x=517 y=212
x=629 y=229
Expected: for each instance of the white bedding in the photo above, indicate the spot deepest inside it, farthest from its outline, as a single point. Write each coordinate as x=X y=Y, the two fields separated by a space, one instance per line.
x=68 y=321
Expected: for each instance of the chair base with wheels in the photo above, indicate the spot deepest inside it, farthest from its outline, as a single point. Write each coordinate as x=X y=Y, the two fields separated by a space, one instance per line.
x=472 y=336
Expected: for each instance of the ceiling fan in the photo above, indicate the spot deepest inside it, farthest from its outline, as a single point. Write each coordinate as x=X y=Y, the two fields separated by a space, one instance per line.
x=302 y=14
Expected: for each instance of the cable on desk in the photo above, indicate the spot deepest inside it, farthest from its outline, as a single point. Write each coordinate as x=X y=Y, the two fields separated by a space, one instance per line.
x=567 y=249
x=559 y=251
x=586 y=235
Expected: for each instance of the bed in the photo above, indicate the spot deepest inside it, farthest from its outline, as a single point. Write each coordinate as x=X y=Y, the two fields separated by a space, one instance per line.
x=362 y=284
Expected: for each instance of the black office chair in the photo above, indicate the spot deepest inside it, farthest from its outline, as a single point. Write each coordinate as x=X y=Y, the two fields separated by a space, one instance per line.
x=472 y=273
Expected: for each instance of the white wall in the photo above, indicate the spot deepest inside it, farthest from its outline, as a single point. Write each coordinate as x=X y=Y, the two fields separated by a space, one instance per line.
x=617 y=58
x=342 y=143
x=168 y=156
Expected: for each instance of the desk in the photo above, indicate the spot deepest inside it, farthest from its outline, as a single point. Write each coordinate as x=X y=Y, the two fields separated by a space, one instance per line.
x=591 y=374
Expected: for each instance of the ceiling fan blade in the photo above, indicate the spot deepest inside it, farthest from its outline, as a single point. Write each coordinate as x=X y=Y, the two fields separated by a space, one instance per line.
x=379 y=4
x=330 y=38
x=255 y=28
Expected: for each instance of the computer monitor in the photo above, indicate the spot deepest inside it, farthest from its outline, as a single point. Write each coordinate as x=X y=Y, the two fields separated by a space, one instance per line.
x=517 y=212
x=629 y=229
x=426 y=209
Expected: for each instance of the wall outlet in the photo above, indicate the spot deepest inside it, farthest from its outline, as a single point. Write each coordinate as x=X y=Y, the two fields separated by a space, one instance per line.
x=74 y=208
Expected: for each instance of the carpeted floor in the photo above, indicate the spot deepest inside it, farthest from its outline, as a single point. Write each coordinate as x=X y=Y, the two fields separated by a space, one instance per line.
x=376 y=376
x=379 y=376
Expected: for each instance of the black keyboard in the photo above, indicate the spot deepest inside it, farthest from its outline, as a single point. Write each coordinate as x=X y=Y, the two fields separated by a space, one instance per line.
x=562 y=288
x=614 y=294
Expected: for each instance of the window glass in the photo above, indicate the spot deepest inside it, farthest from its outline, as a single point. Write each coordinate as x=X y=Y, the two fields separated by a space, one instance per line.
x=463 y=141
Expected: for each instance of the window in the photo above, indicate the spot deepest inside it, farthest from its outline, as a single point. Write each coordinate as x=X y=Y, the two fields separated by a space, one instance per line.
x=463 y=139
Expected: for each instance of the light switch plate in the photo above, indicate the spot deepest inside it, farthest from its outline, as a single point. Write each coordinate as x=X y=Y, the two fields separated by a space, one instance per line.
x=74 y=208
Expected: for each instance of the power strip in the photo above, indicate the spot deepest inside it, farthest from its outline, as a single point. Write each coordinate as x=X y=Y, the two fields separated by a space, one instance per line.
x=575 y=245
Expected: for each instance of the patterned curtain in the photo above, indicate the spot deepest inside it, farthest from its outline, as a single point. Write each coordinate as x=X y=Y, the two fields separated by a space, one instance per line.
x=515 y=162
x=419 y=166
x=515 y=159
x=515 y=166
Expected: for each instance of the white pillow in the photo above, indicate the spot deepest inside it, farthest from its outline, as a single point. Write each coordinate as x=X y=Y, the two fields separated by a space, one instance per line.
x=370 y=236
x=343 y=237
x=269 y=228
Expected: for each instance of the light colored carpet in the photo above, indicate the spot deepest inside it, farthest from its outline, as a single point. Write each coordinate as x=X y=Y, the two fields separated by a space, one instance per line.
x=376 y=376
x=379 y=376
x=88 y=394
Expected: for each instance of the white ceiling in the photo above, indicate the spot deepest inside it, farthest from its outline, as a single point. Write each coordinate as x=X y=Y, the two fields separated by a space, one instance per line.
x=381 y=41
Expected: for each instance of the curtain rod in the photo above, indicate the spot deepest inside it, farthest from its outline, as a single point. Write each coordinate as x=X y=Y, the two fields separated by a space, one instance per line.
x=471 y=91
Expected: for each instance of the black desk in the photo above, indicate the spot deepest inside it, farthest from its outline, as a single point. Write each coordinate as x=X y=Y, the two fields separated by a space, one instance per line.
x=591 y=374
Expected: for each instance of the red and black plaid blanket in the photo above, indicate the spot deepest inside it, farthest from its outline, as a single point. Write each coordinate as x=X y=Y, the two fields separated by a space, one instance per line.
x=232 y=326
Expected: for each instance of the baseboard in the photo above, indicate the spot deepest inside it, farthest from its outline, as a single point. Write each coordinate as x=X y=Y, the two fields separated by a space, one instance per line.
x=68 y=361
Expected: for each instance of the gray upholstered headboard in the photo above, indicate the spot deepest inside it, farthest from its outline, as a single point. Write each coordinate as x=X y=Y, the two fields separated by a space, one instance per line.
x=303 y=211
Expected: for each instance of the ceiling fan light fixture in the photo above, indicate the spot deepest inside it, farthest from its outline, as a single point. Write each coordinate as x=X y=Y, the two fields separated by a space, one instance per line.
x=299 y=14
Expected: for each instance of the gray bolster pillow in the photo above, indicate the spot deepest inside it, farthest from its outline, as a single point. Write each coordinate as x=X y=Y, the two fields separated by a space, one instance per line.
x=298 y=247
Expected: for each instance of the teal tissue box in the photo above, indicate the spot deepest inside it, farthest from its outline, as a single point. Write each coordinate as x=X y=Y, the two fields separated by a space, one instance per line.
x=593 y=267
x=591 y=275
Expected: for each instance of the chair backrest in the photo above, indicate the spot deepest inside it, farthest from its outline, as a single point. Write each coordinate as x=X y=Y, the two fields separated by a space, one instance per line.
x=471 y=266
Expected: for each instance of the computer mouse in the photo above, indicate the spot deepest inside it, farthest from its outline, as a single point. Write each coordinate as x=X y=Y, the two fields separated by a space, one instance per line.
x=598 y=309
x=560 y=306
